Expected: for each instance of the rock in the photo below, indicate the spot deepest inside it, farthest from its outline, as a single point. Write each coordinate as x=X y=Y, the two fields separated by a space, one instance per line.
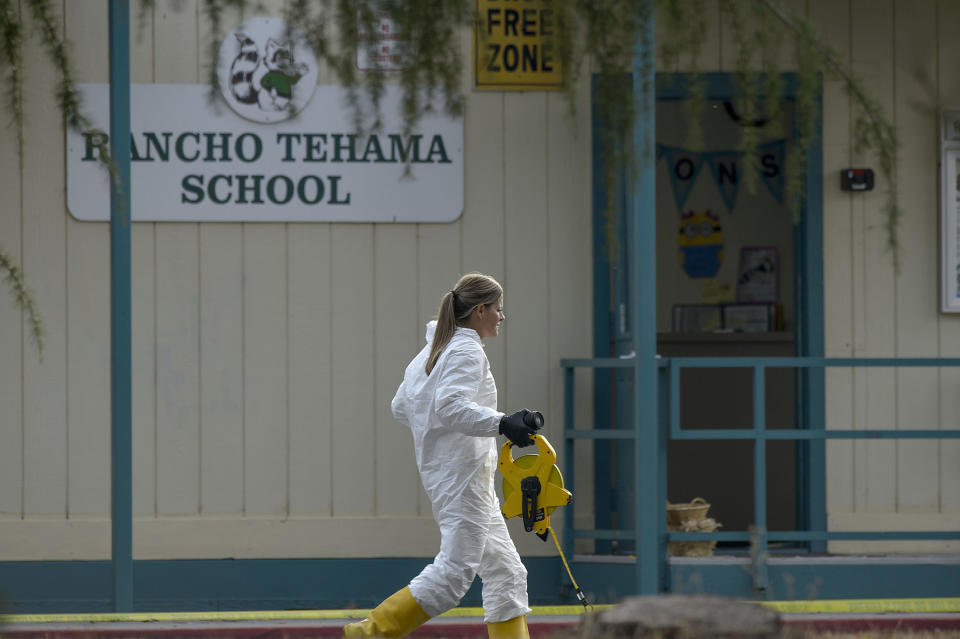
x=686 y=616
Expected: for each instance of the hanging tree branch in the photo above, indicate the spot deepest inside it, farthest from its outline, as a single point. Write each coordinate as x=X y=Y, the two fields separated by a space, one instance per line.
x=68 y=97
x=10 y=52
x=23 y=297
x=602 y=32
x=872 y=131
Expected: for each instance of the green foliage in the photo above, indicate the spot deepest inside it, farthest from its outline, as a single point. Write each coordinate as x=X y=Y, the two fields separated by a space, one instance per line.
x=435 y=59
x=68 y=97
x=10 y=49
x=873 y=133
x=603 y=34
x=13 y=275
x=686 y=23
x=213 y=10
x=599 y=36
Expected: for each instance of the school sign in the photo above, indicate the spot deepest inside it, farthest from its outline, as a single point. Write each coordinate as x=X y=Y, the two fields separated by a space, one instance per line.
x=277 y=148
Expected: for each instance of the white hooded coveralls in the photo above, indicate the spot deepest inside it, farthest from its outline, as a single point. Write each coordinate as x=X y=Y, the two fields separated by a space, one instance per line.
x=454 y=419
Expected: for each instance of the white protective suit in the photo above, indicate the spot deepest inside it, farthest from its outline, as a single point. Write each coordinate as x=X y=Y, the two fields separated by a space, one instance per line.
x=454 y=418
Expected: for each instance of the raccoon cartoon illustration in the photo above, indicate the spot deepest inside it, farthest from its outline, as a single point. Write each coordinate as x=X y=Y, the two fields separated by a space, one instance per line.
x=242 y=70
x=266 y=81
x=282 y=72
x=266 y=70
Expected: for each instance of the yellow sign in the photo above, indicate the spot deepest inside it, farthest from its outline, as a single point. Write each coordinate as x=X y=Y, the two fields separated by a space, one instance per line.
x=514 y=45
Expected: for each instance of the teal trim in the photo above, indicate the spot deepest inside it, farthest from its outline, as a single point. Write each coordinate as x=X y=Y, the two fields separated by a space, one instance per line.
x=598 y=362
x=760 y=579
x=650 y=545
x=817 y=535
x=121 y=512
x=669 y=403
x=808 y=278
x=318 y=584
x=760 y=436
x=600 y=434
x=812 y=580
x=241 y=584
x=661 y=495
x=569 y=377
x=771 y=362
x=602 y=396
x=780 y=535
x=811 y=455
x=733 y=433
x=624 y=534
x=806 y=580
x=798 y=362
x=608 y=280
x=717 y=86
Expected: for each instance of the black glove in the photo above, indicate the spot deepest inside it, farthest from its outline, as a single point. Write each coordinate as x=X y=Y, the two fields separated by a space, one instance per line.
x=519 y=426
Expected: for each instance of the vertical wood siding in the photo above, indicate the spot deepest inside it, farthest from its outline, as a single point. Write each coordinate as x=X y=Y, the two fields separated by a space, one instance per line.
x=43 y=240
x=948 y=326
x=265 y=355
x=871 y=310
x=833 y=20
x=13 y=345
x=88 y=336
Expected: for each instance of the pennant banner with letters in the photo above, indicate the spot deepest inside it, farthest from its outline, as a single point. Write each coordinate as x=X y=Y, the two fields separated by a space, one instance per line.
x=726 y=167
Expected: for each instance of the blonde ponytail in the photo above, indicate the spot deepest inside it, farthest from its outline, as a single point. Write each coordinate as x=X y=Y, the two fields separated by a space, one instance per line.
x=472 y=290
x=446 y=325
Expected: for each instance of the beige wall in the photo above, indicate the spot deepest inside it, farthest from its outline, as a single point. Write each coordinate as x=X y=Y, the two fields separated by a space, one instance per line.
x=265 y=355
x=906 y=54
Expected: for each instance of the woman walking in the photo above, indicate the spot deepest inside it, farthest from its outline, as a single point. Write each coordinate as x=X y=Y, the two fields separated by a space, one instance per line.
x=448 y=398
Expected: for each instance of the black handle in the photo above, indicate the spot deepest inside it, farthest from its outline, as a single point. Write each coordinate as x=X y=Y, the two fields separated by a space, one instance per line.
x=533 y=419
x=530 y=490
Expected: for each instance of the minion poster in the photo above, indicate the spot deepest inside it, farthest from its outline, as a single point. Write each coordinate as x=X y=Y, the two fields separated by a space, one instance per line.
x=701 y=243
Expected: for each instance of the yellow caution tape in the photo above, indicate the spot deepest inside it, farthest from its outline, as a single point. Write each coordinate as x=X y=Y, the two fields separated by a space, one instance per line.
x=938 y=605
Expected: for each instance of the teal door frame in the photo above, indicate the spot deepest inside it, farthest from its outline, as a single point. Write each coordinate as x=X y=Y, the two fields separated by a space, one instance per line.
x=613 y=493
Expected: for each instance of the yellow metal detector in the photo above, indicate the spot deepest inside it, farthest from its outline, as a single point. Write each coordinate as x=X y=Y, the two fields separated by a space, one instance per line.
x=533 y=489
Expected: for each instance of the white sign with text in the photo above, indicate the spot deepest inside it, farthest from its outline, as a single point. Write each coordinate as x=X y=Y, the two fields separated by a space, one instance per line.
x=193 y=159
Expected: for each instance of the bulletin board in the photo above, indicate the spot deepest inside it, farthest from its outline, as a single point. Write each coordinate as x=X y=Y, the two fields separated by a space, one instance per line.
x=950 y=213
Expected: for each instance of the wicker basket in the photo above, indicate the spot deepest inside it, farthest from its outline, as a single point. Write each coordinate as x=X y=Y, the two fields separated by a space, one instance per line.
x=690 y=517
x=678 y=514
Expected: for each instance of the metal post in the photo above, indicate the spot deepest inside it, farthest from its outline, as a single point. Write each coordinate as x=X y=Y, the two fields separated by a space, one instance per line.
x=643 y=306
x=759 y=480
x=568 y=459
x=121 y=511
x=662 y=439
x=813 y=333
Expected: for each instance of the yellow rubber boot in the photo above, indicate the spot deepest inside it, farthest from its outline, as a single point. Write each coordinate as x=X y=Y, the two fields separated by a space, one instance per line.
x=397 y=615
x=515 y=628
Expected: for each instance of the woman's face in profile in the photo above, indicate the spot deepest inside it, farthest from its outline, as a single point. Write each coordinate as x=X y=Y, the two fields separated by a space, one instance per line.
x=487 y=319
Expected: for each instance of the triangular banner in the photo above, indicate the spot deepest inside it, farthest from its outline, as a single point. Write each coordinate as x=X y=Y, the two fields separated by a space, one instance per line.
x=683 y=166
x=725 y=166
x=771 y=158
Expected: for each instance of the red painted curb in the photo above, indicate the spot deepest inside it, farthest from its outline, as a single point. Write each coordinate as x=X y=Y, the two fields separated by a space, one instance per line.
x=885 y=622
x=443 y=629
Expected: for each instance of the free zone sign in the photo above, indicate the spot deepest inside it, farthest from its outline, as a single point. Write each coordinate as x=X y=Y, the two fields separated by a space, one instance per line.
x=514 y=45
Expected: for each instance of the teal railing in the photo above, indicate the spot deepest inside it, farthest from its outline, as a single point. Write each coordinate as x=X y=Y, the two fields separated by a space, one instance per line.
x=669 y=420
